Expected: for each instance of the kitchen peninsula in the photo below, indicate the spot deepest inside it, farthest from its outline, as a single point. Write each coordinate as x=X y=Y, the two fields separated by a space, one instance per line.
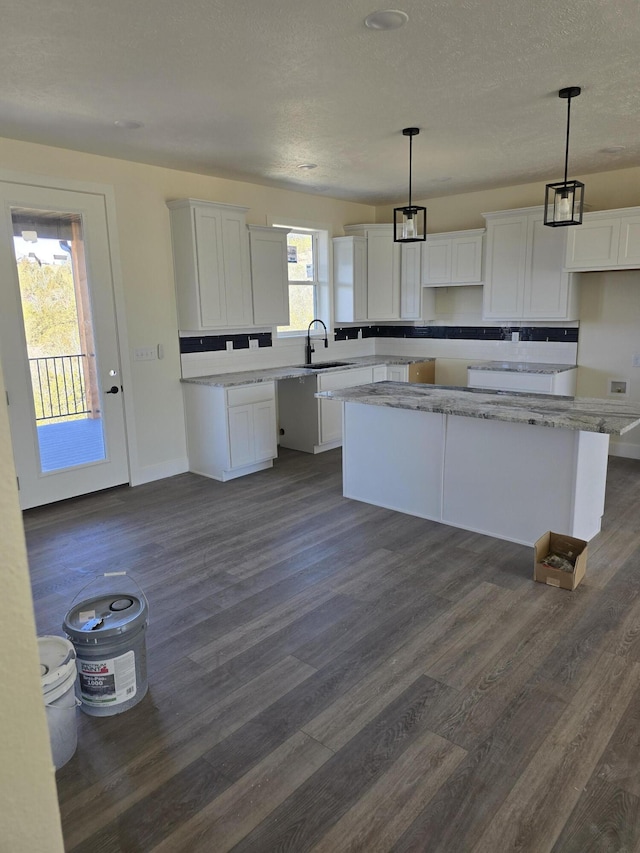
x=509 y=465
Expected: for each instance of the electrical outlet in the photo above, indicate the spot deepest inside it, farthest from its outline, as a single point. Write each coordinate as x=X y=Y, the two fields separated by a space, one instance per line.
x=145 y=354
x=253 y=343
x=515 y=337
x=229 y=346
x=618 y=387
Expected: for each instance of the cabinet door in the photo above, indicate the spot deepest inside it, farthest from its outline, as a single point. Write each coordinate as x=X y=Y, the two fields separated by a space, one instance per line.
x=505 y=268
x=241 y=439
x=410 y=288
x=383 y=276
x=330 y=421
x=546 y=291
x=237 y=276
x=210 y=267
x=330 y=410
x=593 y=245
x=398 y=373
x=436 y=268
x=350 y=279
x=264 y=431
x=629 y=249
x=269 y=276
x=466 y=260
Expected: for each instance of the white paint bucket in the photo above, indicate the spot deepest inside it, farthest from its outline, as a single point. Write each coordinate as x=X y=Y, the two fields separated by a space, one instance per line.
x=58 y=677
x=108 y=633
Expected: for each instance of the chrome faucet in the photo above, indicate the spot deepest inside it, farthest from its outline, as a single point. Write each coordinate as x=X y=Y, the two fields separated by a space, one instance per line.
x=309 y=349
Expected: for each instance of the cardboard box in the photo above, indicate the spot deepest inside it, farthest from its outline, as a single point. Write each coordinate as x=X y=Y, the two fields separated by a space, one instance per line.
x=574 y=550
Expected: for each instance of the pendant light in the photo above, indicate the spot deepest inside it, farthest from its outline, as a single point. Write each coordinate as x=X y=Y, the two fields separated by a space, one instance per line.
x=410 y=221
x=564 y=201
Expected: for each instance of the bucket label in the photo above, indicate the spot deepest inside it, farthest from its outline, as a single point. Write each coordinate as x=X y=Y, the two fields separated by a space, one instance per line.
x=108 y=682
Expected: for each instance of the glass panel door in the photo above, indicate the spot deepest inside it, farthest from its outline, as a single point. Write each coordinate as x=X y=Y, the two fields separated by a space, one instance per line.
x=56 y=311
x=59 y=342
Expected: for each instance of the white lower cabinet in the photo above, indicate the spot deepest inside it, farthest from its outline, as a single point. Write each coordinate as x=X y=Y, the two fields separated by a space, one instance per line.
x=230 y=431
x=398 y=372
x=313 y=425
x=563 y=383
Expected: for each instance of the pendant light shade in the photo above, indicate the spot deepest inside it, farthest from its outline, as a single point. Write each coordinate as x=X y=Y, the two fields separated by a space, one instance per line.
x=410 y=221
x=564 y=201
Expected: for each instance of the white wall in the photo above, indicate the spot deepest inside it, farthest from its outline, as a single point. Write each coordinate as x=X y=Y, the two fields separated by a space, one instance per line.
x=29 y=816
x=609 y=338
x=603 y=191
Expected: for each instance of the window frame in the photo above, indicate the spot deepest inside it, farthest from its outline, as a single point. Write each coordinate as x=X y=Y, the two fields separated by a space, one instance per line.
x=322 y=262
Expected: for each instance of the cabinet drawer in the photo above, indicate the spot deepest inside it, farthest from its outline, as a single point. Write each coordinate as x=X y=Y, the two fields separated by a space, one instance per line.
x=345 y=379
x=250 y=394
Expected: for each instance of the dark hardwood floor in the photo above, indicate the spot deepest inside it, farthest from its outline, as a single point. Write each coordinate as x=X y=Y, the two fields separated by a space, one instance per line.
x=330 y=676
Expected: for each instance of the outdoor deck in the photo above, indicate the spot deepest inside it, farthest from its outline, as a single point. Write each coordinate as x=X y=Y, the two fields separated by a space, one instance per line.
x=67 y=443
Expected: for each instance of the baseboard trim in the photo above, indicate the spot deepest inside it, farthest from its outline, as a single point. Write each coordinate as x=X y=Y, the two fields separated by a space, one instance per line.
x=626 y=449
x=151 y=473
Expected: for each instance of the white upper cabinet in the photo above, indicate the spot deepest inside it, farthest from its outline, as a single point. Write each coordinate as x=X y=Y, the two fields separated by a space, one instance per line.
x=350 y=279
x=211 y=265
x=607 y=239
x=377 y=279
x=269 y=276
x=410 y=289
x=524 y=275
x=453 y=258
x=383 y=270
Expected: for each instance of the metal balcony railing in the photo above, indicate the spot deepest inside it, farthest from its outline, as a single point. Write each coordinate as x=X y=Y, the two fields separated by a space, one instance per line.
x=59 y=386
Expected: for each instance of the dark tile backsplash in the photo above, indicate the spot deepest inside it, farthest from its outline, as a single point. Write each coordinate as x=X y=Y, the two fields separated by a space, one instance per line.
x=462 y=333
x=214 y=343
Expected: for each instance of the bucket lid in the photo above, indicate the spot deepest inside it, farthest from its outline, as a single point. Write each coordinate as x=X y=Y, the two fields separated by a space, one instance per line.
x=105 y=616
x=57 y=662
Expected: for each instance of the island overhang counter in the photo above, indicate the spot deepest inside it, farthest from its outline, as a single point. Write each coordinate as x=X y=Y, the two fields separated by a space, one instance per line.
x=509 y=465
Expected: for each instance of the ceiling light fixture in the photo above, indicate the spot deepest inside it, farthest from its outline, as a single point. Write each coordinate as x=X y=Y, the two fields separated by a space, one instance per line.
x=307 y=166
x=564 y=201
x=126 y=124
x=389 y=19
x=410 y=221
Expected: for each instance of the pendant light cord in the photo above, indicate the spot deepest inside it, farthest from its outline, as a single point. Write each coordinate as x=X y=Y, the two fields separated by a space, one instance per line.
x=566 y=150
x=410 y=160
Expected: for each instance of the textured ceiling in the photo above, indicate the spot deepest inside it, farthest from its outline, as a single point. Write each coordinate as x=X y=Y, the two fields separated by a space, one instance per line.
x=249 y=90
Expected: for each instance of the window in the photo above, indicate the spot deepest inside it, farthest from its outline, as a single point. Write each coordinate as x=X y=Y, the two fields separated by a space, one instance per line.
x=302 y=252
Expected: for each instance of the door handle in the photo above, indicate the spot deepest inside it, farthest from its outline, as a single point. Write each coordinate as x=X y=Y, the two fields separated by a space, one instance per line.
x=113 y=390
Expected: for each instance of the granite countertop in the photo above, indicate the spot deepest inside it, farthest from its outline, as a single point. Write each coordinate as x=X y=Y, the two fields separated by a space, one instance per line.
x=614 y=417
x=271 y=374
x=521 y=367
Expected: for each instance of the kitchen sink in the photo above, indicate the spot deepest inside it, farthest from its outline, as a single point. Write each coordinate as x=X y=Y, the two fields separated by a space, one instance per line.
x=325 y=365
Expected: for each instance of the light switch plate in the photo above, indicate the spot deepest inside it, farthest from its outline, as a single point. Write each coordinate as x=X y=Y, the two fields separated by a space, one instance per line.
x=145 y=354
x=636 y=360
x=253 y=343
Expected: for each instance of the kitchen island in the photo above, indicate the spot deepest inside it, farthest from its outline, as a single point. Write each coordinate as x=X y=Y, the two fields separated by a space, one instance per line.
x=508 y=465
